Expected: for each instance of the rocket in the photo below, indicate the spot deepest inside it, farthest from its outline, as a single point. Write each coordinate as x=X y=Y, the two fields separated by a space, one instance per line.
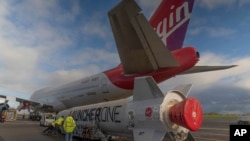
x=149 y=115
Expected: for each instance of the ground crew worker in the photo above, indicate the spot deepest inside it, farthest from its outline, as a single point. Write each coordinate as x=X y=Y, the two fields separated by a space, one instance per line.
x=58 y=124
x=54 y=129
x=69 y=126
x=3 y=116
x=50 y=128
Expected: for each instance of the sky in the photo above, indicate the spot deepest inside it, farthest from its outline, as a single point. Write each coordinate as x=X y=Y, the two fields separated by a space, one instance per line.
x=49 y=43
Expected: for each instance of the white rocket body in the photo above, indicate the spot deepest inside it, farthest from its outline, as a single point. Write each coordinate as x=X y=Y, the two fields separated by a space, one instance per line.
x=149 y=115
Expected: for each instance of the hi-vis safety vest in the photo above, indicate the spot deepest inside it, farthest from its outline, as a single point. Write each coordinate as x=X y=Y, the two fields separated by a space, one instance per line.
x=53 y=123
x=59 y=121
x=69 y=124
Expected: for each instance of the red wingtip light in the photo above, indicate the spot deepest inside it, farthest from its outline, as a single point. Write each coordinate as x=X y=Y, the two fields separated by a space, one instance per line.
x=187 y=113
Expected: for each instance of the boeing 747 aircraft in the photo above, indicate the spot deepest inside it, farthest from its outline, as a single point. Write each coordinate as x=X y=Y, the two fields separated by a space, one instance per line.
x=146 y=48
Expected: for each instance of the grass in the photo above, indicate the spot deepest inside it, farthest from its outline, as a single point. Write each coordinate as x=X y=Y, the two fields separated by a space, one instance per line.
x=220 y=116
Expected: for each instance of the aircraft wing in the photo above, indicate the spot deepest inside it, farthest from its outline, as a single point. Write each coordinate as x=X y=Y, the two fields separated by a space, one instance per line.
x=197 y=69
x=29 y=104
x=139 y=47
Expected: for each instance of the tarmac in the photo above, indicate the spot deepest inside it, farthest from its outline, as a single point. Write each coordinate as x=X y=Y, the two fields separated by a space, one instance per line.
x=26 y=130
x=214 y=130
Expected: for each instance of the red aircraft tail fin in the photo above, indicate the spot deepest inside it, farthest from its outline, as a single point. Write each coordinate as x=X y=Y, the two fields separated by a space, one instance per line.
x=170 y=21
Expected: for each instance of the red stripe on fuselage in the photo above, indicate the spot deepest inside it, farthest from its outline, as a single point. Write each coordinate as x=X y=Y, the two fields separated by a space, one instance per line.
x=187 y=58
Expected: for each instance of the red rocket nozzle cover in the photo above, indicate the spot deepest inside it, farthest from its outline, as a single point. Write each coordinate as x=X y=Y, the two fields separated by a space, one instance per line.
x=187 y=113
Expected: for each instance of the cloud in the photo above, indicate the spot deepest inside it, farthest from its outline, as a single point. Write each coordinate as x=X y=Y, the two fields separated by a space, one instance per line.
x=211 y=4
x=148 y=6
x=218 y=88
x=196 y=31
x=243 y=2
x=220 y=32
x=3 y=9
x=224 y=99
x=212 y=31
x=39 y=47
x=95 y=28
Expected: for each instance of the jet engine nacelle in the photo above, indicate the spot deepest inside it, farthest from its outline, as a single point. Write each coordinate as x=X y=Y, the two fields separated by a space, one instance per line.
x=4 y=106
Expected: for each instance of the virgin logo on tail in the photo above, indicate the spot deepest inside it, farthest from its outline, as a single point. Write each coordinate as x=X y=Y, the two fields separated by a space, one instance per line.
x=171 y=19
x=167 y=26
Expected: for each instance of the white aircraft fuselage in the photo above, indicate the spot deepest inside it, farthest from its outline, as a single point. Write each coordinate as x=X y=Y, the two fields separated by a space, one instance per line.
x=93 y=89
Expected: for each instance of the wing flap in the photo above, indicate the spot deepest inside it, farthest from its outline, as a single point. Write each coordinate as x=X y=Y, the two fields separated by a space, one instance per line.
x=139 y=47
x=30 y=104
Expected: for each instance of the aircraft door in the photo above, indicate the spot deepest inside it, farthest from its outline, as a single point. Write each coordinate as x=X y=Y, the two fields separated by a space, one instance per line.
x=104 y=85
